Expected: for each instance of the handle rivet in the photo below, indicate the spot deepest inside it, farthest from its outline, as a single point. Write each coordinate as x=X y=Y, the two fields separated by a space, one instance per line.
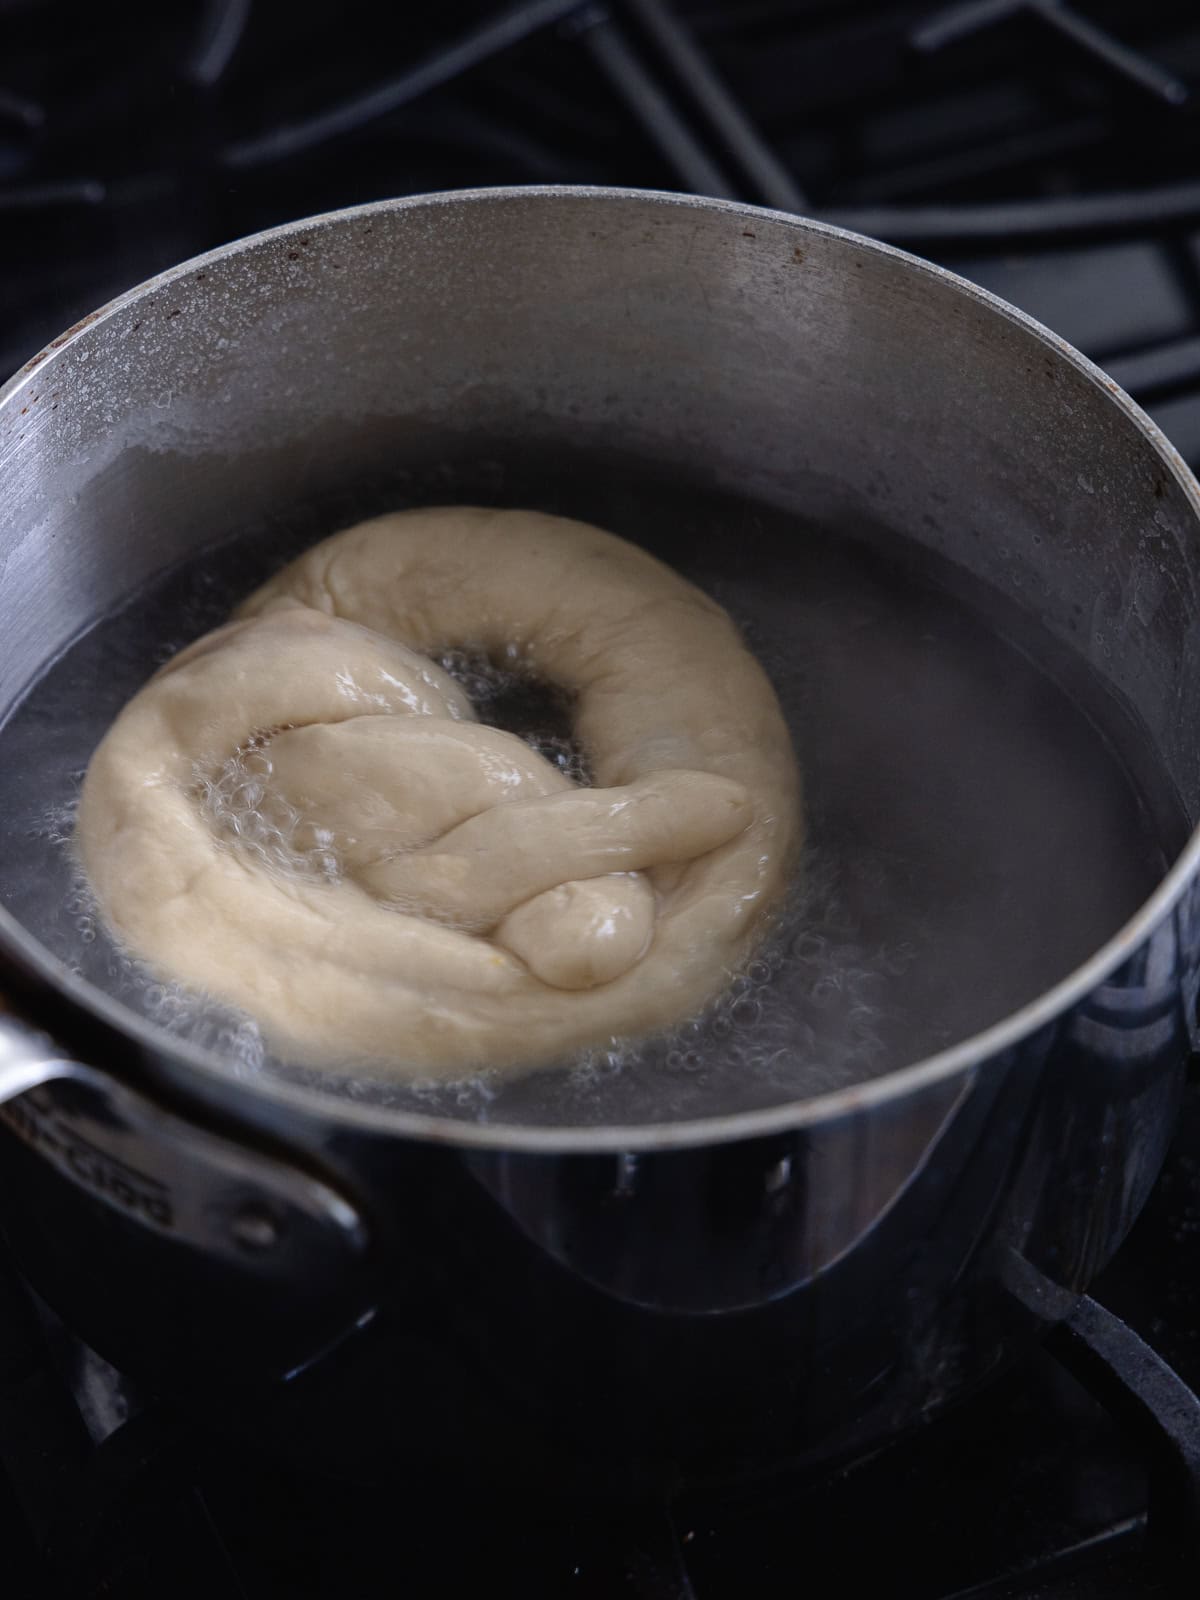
x=254 y=1228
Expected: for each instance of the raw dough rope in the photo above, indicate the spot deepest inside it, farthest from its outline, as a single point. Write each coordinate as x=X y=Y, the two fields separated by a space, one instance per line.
x=476 y=908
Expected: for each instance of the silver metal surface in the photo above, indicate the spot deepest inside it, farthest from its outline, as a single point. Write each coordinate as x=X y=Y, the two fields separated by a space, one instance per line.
x=174 y=1178
x=797 y=1281
x=805 y=366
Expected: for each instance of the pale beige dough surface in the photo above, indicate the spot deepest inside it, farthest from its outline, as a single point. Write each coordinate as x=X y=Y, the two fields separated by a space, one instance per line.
x=480 y=910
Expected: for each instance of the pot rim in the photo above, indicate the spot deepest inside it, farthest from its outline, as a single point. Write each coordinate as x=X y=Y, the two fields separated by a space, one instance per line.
x=942 y=1067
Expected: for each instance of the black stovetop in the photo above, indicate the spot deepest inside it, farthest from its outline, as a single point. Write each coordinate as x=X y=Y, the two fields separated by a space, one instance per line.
x=1045 y=149
x=1076 y=1477
x=1049 y=151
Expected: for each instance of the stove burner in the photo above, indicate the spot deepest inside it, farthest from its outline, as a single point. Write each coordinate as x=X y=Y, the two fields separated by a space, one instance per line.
x=1047 y=151
x=111 y=1494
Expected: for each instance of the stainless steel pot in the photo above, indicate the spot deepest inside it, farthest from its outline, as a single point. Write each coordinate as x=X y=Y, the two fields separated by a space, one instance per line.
x=610 y=1304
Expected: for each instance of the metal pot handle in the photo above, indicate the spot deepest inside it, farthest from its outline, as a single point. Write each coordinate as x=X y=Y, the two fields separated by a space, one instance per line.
x=167 y=1174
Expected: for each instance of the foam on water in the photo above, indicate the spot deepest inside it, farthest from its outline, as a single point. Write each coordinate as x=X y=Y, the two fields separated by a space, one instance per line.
x=973 y=830
x=248 y=813
x=246 y=810
x=751 y=1030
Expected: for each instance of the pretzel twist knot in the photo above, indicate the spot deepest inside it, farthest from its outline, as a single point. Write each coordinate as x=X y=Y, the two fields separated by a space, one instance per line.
x=437 y=895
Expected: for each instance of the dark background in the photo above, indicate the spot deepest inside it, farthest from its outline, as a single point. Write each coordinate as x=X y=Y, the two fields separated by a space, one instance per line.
x=133 y=136
x=1052 y=153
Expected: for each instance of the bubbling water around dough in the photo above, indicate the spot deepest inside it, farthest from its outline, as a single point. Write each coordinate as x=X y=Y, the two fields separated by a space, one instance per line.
x=300 y=814
x=938 y=887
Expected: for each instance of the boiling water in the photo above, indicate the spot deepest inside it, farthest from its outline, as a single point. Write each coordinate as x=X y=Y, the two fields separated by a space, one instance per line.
x=980 y=815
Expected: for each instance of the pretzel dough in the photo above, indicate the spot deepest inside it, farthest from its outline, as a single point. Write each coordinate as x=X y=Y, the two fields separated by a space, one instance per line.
x=474 y=907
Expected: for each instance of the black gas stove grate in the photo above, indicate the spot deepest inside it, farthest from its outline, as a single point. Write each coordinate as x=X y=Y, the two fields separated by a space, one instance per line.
x=1084 y=1469
x=1049 y=151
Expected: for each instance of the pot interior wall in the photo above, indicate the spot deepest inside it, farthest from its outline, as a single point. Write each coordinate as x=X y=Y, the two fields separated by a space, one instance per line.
x=799 y=367
x=679 y=372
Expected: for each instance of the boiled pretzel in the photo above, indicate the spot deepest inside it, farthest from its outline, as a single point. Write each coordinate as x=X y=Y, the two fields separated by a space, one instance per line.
x=471 y=905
